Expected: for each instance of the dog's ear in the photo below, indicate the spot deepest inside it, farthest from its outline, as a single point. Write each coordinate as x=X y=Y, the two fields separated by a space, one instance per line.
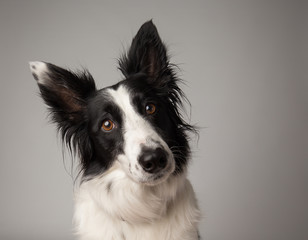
x=63 y=91
x=66 y=94
x=147 y=54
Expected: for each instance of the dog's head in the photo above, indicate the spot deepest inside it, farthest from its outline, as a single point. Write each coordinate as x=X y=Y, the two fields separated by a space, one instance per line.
x=136 y=122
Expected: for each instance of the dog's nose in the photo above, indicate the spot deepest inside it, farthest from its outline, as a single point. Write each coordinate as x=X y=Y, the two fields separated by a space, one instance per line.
x=153 y=160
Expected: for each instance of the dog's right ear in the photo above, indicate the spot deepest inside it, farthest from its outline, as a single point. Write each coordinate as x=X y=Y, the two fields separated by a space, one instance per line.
x=66 y=94
x=63 y=91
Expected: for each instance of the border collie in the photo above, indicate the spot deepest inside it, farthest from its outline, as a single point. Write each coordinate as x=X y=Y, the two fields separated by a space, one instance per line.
x=132 y=142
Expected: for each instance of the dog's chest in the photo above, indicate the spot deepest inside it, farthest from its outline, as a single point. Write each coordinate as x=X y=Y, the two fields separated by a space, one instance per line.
x=99 y=216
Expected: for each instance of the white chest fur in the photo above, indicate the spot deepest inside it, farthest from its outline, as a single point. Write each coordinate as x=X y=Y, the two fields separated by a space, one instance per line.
x=113 y=207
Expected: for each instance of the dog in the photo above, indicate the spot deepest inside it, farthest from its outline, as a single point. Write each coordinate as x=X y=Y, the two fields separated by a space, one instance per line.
x=132 y=142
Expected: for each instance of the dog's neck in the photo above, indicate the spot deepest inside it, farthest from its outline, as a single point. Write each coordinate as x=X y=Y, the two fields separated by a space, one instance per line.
x=123 y=199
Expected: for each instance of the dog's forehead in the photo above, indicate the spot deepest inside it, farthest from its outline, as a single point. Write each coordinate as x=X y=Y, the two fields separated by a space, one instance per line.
x=128 y=89
x=122 y=96
x=113 y=94
x=116 y=99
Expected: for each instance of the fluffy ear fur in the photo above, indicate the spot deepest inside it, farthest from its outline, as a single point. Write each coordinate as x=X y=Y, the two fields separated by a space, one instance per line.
x=147 y=54
x=66 y=94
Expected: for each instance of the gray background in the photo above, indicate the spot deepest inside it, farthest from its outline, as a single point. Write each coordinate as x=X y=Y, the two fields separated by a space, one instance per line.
x=245 y=63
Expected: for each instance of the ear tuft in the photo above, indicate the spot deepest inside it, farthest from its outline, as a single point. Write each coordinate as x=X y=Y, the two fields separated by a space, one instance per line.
x=39 y=70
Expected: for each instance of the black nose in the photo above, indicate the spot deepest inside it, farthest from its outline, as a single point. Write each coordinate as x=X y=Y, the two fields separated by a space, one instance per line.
x=153 y=160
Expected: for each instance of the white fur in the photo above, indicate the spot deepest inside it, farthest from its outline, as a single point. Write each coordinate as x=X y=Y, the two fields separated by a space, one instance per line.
x=132 y=211
x=39 y=69
x=137 y=133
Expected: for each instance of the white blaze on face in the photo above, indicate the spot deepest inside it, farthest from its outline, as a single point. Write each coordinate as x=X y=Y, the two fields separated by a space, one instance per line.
x=138 y=133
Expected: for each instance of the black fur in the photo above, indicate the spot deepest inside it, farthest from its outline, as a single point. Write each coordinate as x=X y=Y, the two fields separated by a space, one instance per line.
x=79 y=109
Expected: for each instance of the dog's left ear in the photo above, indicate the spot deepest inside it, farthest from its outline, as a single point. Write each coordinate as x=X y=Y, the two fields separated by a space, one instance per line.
x=147 y=54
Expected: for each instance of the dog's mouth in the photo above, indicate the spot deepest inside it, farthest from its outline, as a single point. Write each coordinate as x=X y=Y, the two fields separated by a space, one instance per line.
x=154 y=179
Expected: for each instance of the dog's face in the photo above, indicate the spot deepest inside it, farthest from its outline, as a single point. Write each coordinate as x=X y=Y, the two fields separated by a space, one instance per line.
x=134 y=124
x=129 y=123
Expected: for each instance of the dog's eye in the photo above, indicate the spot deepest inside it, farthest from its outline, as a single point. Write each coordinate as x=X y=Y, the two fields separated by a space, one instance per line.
x=150 y=108
x=107 y=125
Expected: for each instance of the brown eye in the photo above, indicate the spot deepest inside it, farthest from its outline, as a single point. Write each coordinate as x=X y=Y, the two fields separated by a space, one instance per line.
x=150 y=108
x=107 y=125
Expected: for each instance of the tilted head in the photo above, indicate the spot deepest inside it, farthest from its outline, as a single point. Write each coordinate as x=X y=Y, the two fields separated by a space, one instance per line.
x=135 y=124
